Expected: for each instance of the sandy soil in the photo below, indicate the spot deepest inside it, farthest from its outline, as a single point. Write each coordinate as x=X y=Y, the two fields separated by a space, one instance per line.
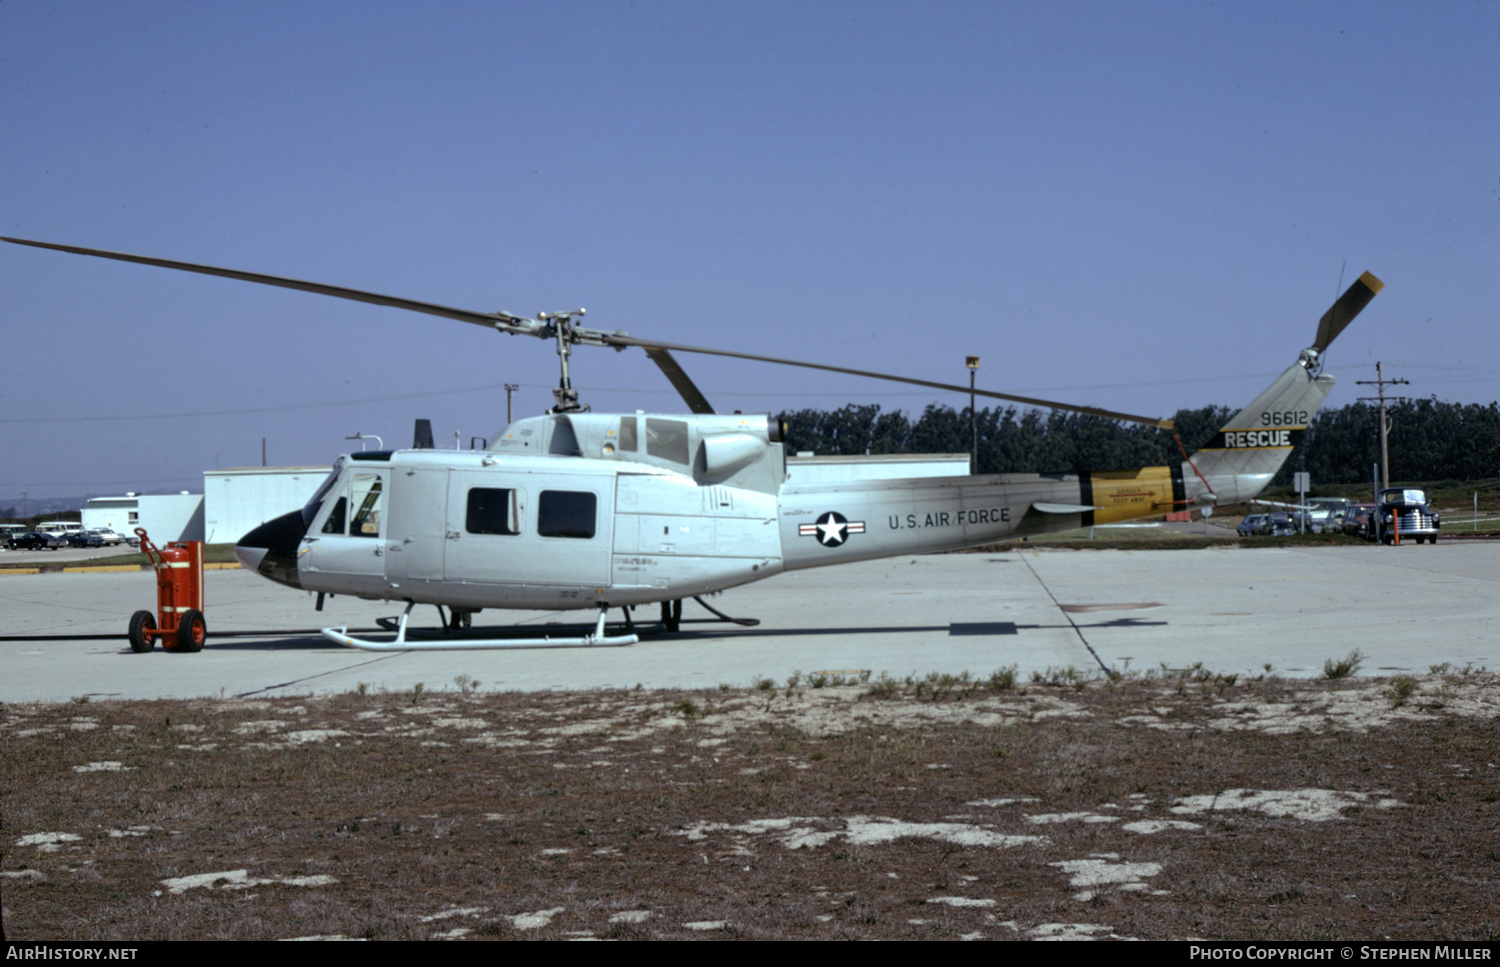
x=1172 y=805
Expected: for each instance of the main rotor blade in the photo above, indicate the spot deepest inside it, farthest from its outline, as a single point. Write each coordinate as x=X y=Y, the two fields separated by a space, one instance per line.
x=690 y=393
x=1343 y=311
x=620 y=339
x=498 y=320
x=1339 y=316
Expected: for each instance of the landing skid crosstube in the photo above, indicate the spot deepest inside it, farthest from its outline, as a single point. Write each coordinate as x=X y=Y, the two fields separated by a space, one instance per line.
x=671 y=621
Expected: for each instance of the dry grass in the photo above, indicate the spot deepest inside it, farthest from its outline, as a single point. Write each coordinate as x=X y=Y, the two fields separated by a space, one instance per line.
x=1165 y=806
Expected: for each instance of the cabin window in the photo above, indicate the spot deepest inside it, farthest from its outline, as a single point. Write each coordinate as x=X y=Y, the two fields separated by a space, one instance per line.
x=493 y=510
x=566 y=513
x=627 y=434
x=365 y=495
x=335 y=522
x=667 y=439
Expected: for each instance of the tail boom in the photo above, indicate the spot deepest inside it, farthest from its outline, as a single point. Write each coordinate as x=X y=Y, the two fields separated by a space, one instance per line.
x=837 y=523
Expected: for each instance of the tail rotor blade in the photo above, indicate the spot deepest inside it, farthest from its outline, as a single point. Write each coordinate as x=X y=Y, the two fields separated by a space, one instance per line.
x=1342 y=312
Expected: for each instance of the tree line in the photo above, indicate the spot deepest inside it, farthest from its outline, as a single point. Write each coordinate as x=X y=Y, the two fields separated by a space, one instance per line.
x=1429 y=439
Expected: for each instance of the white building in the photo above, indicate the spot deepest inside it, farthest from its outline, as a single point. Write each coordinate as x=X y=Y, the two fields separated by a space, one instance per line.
x=233 y=503
x=240 y=499
x=166 y=517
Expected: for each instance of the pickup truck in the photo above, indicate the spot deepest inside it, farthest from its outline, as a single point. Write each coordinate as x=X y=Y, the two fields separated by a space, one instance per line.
x=1403 y=512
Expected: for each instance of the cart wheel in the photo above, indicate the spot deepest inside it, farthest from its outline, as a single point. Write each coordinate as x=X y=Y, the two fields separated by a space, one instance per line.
x=140 y=623
x=192 y=632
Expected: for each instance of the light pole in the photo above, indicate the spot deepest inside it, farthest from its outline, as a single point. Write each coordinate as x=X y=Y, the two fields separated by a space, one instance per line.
x=972 y=362
x=509 y=389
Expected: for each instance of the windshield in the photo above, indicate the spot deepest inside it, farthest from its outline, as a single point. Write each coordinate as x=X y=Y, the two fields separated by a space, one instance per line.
x=1406 y=496
x=310 y=509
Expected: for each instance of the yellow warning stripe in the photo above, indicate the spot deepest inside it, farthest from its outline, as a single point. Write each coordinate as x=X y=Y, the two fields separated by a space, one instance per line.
x=103 y=568
x=84 y=569
x=1128 y=494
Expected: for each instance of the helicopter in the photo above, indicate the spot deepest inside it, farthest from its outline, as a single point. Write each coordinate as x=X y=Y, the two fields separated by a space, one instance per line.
x=576 y=510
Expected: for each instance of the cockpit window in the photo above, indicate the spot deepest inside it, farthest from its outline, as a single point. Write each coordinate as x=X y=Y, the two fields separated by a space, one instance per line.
x=335 y=522
x=311 y=508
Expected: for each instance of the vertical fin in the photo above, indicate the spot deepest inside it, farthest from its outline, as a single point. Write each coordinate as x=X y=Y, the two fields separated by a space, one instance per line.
x=1242 y=457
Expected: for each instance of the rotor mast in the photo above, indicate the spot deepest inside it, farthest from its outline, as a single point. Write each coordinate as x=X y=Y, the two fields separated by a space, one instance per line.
x=559 y=326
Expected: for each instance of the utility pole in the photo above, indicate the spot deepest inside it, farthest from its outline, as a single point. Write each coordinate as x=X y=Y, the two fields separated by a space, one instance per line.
x=509 y=389
x=1381 y=382
x=972 y=362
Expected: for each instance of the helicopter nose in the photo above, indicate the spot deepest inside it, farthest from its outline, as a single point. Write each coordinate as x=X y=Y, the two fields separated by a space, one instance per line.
x=271 y=549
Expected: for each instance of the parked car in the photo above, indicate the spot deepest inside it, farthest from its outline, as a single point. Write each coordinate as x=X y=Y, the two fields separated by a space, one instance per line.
x=1279 y=525
x=84 y=539
x=108 y=536
x=1357 y=521
x=1252 y=524
x=1314 y=520
x=1337 y=507
x=33 y=541
x=1404 y=511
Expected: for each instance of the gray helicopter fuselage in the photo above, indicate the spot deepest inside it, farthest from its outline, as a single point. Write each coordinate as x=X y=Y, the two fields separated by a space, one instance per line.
x=477 y=530
x=541 y=532
x=564 y=511
x=578 y=510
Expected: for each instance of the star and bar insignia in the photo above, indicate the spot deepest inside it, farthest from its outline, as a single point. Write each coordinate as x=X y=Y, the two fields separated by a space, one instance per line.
x=832 y=529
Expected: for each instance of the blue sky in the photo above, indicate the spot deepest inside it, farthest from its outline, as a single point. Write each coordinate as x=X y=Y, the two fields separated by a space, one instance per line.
x=1136 y=206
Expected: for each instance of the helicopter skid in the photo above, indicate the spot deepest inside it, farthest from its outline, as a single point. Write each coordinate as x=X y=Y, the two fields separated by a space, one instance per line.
x=596 y=640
